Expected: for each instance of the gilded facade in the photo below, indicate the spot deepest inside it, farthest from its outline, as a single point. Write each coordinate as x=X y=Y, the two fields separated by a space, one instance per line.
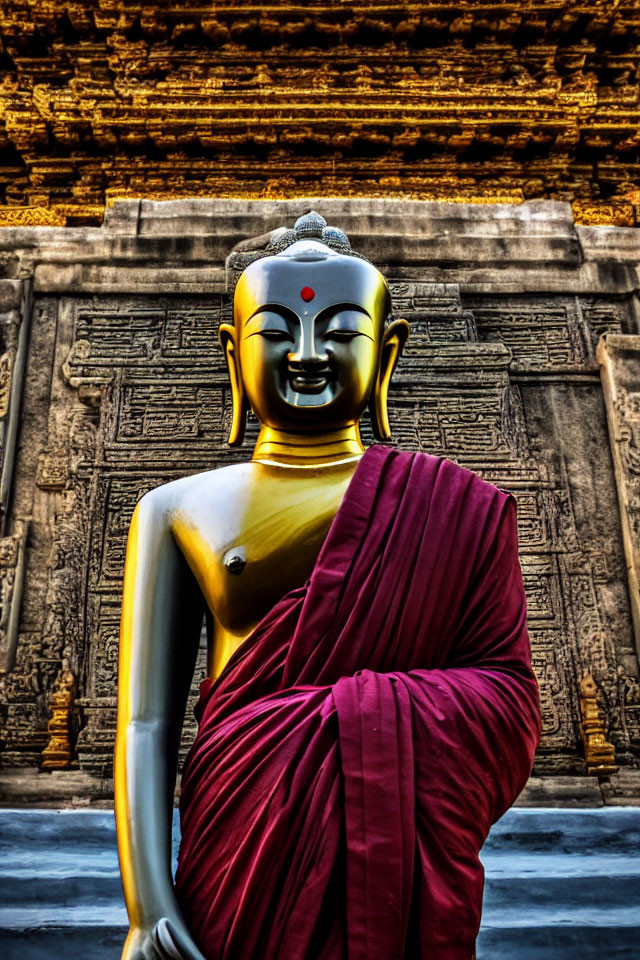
x=464 y=100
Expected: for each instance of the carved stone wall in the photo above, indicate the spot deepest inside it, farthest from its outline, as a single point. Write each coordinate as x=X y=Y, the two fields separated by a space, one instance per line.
x=125 y=388
x=619 y=358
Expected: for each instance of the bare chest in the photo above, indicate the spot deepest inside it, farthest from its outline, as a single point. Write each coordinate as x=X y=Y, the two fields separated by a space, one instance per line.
x=251 y=545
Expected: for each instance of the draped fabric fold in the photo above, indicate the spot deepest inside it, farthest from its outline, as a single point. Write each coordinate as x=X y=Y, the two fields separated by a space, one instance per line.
x=354 y=753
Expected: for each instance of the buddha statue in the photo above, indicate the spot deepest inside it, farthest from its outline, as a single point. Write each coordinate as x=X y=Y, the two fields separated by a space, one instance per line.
x=367 y=653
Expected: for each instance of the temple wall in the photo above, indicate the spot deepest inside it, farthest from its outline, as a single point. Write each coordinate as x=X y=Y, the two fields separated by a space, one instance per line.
x=523 y=364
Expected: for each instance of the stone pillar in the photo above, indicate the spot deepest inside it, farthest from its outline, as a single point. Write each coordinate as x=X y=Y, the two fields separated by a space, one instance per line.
x=15 y=322
x=619 y=359
x=15 y=325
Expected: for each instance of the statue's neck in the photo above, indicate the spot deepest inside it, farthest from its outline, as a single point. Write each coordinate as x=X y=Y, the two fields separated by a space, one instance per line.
x=308 y=449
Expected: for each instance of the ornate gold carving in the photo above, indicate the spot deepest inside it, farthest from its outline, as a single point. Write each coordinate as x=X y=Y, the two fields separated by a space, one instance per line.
x=458 y=101
x=598 y=752
x=605 y=214
x=58 y=753
x=31 y=217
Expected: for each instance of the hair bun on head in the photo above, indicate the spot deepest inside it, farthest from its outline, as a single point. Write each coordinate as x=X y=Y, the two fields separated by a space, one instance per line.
x=310 y=226
x=336 y=239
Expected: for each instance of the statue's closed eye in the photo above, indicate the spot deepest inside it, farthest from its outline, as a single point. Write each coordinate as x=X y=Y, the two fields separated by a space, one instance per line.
x=342 y=336
x=268 y=324
x=347 y=323
x=275 y=335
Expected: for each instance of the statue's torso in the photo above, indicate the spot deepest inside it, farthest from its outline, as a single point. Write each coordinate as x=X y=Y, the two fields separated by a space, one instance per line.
x=274 y=518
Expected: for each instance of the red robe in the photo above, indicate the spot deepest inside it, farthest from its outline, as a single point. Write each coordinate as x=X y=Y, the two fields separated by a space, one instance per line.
x=355 y=751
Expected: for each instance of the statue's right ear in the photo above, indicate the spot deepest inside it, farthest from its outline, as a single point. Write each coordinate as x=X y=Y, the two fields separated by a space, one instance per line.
x=393 y=341
x=229 y=339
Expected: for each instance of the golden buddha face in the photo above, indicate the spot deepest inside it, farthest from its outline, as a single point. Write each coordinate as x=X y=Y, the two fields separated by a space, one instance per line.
x=309 y=347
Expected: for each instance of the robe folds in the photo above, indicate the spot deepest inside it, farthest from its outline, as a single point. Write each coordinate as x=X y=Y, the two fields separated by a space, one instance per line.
x=356 y=749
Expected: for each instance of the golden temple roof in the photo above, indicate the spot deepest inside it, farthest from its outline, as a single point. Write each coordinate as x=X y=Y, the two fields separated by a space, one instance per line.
x=466 y=101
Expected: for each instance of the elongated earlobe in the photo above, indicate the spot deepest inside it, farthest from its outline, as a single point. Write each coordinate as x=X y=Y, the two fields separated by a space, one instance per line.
x=393 y=341
x=228 y=339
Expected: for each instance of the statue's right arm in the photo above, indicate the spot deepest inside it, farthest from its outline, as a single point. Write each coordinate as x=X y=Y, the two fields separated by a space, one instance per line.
x=162 y=614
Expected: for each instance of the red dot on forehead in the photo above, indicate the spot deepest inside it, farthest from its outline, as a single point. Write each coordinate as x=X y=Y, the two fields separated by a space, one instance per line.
x=307 y=294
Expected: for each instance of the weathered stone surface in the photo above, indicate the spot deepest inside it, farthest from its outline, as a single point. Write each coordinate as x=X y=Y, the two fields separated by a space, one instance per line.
x=619 y=358
x=12 y=561
x=126 y=388
x=561 y=791
x=53 y=789
x=623 y=789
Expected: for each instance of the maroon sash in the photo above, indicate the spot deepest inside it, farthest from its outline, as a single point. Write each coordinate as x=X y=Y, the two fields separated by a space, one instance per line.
x=354 y=753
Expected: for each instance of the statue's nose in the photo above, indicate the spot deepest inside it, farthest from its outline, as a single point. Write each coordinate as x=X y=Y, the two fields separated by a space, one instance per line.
x=308 y=360
x=307 y=354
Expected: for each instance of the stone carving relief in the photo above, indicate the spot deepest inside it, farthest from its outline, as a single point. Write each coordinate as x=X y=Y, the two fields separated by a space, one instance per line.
x=15 y=322
x=619 y=358
x=15 y=308
x=163 y=414
x=6 y=370
x=11 y=583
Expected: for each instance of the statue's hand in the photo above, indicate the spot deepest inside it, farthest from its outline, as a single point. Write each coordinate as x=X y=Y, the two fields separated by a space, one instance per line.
x=167 y=940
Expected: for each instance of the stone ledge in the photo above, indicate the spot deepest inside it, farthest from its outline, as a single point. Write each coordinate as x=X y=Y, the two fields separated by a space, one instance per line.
x=179 y=246
x=29 y=787
x=68 y=789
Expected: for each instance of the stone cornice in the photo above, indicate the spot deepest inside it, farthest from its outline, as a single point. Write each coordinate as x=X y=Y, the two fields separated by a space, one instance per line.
x=181 y=246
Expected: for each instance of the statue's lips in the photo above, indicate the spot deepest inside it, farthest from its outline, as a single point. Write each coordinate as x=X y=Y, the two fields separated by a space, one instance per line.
x=309 y=382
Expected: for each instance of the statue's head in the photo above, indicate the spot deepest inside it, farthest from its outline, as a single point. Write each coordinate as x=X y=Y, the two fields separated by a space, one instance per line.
x=312 y=341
